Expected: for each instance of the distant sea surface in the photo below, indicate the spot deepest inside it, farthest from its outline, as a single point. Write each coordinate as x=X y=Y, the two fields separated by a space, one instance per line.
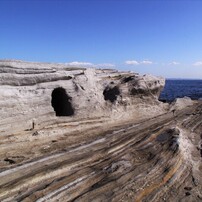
x=180 y=88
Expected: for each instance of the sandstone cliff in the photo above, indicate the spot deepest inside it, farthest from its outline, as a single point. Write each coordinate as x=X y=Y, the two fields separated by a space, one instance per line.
x=85 y=134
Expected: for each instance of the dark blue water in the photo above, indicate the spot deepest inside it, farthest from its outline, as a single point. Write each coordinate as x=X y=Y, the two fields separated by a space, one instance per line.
x=180 y=88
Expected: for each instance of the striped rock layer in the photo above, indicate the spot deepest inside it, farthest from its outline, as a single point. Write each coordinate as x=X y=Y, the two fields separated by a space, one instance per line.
x=83 y=134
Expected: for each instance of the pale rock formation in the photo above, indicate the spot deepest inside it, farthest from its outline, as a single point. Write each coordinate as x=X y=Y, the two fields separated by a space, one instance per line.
x=181 y=103
x=84 y=134
x=26 y=93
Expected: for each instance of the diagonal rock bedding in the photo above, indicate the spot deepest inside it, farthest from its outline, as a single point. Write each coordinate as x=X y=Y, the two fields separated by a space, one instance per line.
x=84 y=134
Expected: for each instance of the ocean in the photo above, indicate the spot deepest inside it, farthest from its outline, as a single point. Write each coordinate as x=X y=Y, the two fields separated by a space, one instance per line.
x=175 y=88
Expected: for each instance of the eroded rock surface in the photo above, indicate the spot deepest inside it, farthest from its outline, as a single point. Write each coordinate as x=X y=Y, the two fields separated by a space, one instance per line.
x=83 y=134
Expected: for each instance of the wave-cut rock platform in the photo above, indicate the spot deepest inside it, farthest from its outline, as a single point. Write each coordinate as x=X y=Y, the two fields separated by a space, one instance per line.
x=85 y=134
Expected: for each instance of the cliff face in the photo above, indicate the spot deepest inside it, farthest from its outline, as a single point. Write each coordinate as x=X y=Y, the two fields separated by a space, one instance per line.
x=35 y=92
x=89 y=134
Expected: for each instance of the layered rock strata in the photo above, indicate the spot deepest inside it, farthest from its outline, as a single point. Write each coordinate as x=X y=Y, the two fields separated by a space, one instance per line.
x=84 y=134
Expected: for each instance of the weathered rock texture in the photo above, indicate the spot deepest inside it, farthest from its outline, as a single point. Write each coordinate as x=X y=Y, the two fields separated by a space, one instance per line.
x=83 y=134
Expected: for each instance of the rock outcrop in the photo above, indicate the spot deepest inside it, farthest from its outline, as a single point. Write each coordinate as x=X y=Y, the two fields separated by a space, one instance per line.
x=84 y=134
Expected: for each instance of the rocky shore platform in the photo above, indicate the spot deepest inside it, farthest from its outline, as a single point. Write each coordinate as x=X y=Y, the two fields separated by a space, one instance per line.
x=86 y=134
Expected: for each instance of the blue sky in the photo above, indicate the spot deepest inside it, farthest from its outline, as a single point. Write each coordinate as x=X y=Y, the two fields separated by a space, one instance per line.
x=146 y=36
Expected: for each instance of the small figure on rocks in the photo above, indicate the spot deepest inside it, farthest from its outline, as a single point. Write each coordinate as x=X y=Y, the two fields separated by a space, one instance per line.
x=33 y=125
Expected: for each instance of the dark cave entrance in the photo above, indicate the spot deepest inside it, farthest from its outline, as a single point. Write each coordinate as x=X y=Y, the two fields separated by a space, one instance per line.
x=61 y=102
x=111 y=93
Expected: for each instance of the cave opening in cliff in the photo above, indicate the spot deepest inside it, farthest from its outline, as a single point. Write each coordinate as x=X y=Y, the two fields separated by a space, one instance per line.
x=61 y=102
x=111 y=93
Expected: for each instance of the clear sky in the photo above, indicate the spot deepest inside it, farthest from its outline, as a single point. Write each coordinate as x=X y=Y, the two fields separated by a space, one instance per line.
x=146 y=36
